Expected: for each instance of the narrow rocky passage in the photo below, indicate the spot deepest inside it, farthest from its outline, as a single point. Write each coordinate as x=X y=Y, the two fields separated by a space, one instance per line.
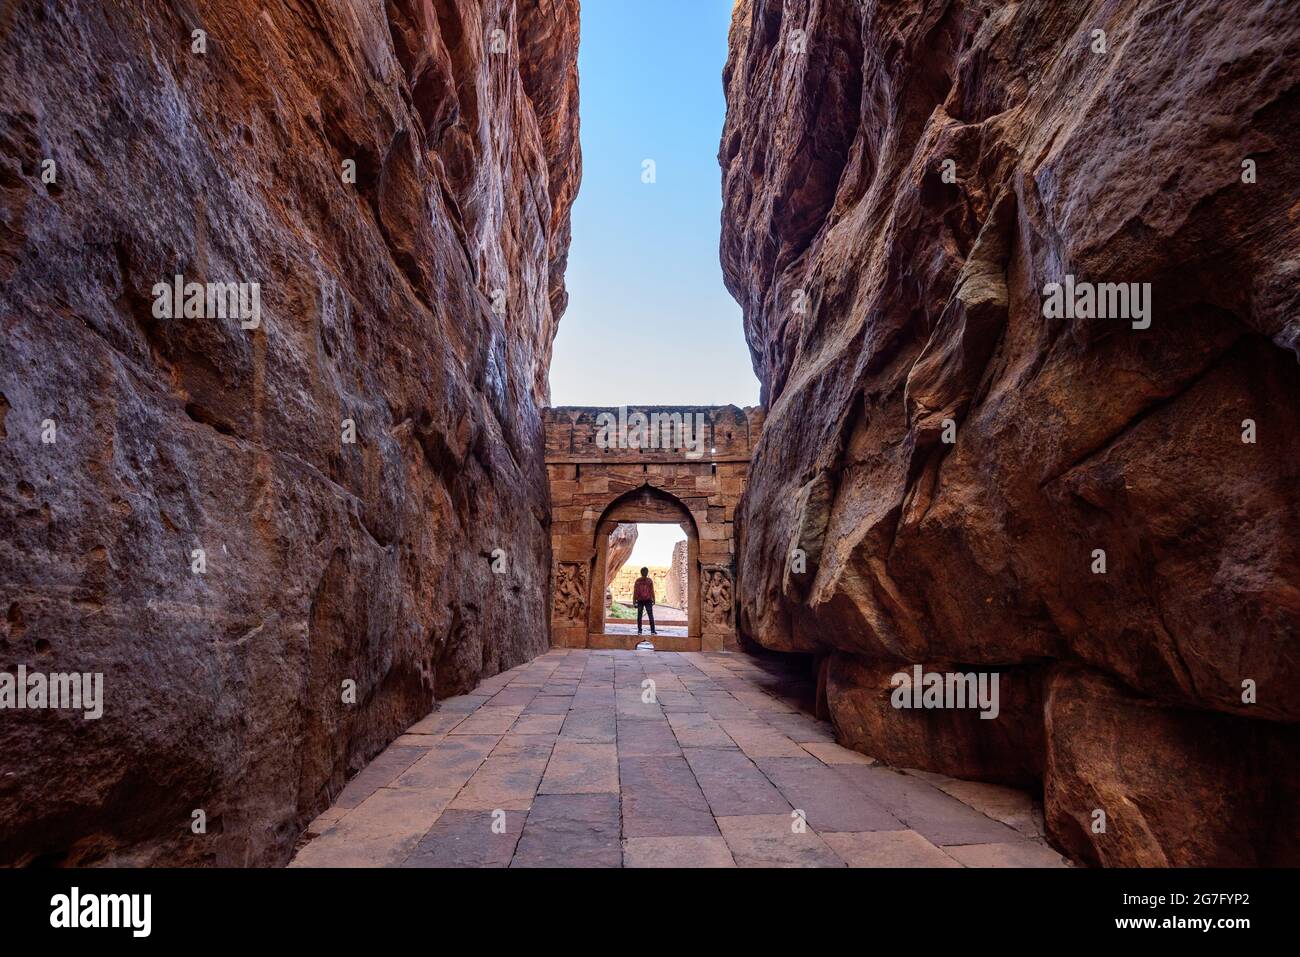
x=575 y=759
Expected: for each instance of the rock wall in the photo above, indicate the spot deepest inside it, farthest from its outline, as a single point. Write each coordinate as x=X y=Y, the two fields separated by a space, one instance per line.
x=623 y=583
x=954 y=458
x=621 y=542
x=397 y=177
x=677 y=589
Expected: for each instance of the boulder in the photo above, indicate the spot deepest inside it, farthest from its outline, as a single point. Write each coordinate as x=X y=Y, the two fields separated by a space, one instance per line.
x=972 y=469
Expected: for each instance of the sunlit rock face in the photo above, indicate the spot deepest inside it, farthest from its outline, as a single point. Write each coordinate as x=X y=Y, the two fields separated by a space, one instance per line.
x=955 y=451
x=621 y=542
x=278 y=539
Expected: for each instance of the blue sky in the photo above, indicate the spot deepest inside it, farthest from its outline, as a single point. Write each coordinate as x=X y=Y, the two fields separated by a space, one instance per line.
x=654 y=544
x=649 y=320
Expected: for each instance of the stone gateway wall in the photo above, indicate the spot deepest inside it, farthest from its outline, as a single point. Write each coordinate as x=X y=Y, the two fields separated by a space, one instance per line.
x=1103 y=510
x=625 y=580
x=595 y=484
x=347 y=466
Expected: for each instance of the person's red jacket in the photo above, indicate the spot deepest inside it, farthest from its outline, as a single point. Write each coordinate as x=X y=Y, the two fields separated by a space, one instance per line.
x=643 y=590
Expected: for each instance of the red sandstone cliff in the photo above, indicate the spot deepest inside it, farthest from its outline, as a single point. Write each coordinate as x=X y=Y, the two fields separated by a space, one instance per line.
x=326 y=561
x=882 y=297
x=621 y=542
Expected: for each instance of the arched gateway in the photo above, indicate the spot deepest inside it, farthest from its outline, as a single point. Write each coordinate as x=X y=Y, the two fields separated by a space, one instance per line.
x=684 y=465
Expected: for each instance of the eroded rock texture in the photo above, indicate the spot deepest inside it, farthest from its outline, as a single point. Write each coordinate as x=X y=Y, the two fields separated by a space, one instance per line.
x=677 y=591
x=325 y=561
x=621 y=542
x=882 y=298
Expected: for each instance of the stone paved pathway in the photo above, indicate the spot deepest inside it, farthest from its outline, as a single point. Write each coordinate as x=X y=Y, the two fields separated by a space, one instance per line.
x=623 y=628
x=562 y=763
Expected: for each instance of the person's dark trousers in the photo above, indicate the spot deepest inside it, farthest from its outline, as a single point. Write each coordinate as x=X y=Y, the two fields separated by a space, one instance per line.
x=649 y=608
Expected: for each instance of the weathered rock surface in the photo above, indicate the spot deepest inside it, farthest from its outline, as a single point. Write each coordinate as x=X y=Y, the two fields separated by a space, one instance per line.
x=677 y=591
x=326 y=562
x=1007 y=749
x=621 y=542
x=886 y=303
x=1118 y=752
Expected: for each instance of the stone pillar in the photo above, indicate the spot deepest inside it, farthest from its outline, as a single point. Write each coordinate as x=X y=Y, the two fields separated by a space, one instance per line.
x=596 y=604
x=693 y=585
x=717 y=607
x=678 y=590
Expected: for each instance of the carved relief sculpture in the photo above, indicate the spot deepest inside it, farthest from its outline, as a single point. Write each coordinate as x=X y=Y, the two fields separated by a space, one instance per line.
x=570 y=591
x=717 y=596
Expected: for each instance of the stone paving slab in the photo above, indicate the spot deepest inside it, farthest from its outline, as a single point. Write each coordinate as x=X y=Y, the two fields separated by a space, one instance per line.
x=468 y=839
x=1017 y=854
x=771 y=840
x=1012 y=807
x=828 y=800
x=450 y=762
x=507 y=782
x=438 y=722
x=759 y=740
x=699 y=731
x=571 y=830
x=801 y=728
x=380 y=832
x=511 y=697
x=487 y=721
x=549 y=704
x=642 y=739
x=525 y=747
x=325 y=820
x=629 y=704
x=538 y=724
x=733 y=785
x=598 y=699
x=725 y=708
x=661 y=798
x=887 y=849
x=679 y=702
x=677 y=852
x=561 y=763
x=462 y=703
x=578 y=767
x=830 y=753
x=942 y=818
x=390 y=763
x=596 y=726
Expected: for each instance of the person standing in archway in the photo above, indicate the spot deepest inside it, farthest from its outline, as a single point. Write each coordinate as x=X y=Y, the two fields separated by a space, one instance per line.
x=643 y=594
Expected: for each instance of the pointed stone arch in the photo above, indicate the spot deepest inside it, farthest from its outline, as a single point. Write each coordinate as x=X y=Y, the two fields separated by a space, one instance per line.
x=645 y=504
x=598 y=479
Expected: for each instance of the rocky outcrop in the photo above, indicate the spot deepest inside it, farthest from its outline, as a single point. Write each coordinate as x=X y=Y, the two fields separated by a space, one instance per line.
x=621 y=541
x=1007 y=747
x=960 y=472
x=1177 y=787
x=277 y=539
x=678 y=586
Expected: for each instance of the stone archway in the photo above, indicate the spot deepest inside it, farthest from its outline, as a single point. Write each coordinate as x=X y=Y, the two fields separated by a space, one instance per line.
x=649 y=505
x=596 y=482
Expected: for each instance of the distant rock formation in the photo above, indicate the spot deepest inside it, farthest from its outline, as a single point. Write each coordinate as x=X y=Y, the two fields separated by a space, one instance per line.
x=1095 y=498
x=277 y=539
x=677 y=585
x=621 y=542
